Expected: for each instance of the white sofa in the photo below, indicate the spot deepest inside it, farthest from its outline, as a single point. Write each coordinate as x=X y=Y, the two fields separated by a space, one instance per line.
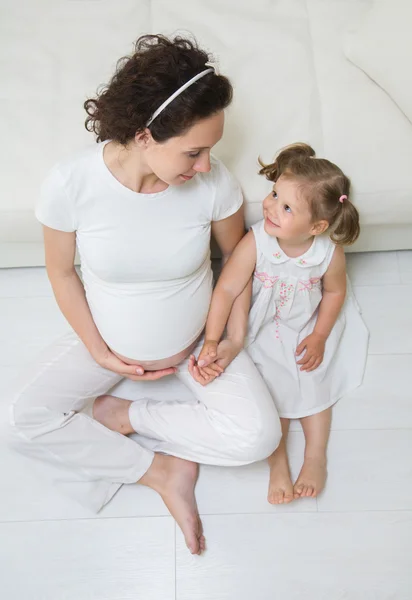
x=292 y=80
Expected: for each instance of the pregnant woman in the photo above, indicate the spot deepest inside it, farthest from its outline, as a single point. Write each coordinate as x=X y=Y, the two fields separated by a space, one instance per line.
x=141 y=206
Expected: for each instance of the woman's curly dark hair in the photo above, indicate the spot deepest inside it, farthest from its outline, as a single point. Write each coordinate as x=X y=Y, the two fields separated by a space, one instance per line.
x=144 y=80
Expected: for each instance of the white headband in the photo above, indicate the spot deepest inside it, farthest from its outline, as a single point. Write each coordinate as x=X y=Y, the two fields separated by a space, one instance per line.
x=177 y=93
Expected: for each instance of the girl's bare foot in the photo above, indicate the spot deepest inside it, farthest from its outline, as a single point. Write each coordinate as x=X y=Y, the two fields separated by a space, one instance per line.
x=175 y=479
x=113 y=413
x=280 y=483
x=312 y=477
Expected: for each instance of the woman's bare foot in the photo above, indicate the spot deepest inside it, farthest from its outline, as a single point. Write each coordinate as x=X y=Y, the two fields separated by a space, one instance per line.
x=175 y=479
x=312 y=477
x=113 y=413
x=280 y=483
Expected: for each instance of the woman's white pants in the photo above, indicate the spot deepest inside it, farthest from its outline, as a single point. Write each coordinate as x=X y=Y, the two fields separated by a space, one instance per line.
x=230 y=422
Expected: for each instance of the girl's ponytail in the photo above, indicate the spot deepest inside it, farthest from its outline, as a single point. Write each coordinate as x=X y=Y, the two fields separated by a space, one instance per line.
x=345 y=228
x=285 y=159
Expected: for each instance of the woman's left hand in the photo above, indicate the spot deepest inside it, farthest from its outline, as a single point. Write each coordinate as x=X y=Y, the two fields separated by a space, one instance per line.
x=227 y=351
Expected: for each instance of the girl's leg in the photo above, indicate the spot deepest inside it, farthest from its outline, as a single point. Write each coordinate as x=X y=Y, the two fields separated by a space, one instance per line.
x=312 y=476
x=280 y=484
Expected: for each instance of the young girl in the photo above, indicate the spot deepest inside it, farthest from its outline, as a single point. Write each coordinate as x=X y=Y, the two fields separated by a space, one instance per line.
x=305 y=333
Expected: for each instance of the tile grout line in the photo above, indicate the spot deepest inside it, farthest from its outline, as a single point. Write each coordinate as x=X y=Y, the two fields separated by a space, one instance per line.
x=389 y=353
x=63 y=520
x=363 y=511
x=275 y=514
x=399 y=268
x=364 y=429
x=398 y=264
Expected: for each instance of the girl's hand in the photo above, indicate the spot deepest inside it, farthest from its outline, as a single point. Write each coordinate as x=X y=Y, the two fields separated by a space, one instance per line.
x=314 y=344
x=223 y=354
x=227 y=351
x=134 y=372
x=205 y=370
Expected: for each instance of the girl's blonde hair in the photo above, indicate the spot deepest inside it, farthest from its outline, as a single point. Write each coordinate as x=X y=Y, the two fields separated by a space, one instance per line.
x=323 y=185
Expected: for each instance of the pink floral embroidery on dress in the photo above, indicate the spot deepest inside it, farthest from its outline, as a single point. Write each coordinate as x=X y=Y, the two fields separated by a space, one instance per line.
x=267 y=280
x=285 y=293
x=277 y=255
x=302 y=261
x=309 y=284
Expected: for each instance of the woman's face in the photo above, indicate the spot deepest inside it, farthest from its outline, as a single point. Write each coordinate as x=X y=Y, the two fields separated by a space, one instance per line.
x=179 y=158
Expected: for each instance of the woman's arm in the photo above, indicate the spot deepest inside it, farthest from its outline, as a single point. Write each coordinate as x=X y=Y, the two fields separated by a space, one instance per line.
x=60 y=247
x=333 y=297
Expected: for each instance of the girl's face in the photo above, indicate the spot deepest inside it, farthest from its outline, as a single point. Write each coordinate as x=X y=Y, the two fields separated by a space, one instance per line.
x=179 y=158
x=286 y=212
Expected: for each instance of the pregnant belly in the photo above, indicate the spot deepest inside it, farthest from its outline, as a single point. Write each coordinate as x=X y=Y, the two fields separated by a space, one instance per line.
x=155 y=325
x=163 y=363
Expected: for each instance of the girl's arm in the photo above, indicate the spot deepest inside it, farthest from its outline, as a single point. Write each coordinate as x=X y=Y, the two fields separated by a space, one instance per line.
x=333 y=294
x=228 y=233
x=333 y=297
x=233 y=285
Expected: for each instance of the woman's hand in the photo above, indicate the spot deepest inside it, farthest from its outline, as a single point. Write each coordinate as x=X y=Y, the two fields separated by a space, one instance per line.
x=208 y=353
x=134 y=372
x=205 y=370
x=314 y=344
x=222 y=354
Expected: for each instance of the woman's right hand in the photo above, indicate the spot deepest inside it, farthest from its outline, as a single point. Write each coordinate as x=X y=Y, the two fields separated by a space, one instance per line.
x=111 y=362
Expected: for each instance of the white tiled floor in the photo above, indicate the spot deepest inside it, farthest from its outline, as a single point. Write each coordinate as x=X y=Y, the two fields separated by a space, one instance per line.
x=354 y=542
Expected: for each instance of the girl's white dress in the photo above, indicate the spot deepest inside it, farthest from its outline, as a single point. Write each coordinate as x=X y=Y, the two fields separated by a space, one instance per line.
x=286 y=296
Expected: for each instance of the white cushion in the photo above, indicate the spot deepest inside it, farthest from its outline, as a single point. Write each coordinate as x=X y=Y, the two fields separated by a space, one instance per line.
x=293 y=82
x=382 y=47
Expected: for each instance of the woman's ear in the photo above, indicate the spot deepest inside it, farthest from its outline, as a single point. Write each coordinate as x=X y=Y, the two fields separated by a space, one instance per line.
x=319 y=227
x=143 y=138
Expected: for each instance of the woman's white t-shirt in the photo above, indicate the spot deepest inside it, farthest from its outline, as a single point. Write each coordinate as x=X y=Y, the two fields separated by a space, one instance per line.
x=145 y=258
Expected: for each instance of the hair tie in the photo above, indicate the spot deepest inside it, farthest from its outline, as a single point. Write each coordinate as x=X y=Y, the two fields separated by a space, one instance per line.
x=342 y=198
